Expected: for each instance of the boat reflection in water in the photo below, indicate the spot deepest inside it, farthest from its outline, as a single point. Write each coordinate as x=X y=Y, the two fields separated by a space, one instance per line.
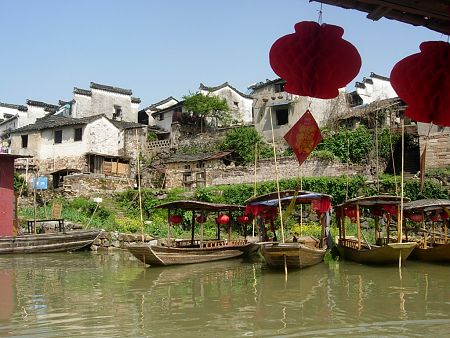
x=105 y=295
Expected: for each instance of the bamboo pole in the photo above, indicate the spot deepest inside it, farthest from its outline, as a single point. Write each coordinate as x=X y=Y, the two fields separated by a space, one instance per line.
x=277 y=179
x=192 y=228
x=402 y=192
x=254 y=187
x=138 y=151
x=169 y=223
x=358 y=223
x=445 y=231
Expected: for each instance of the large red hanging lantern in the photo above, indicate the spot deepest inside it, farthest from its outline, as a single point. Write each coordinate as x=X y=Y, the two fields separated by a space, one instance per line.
x=350 y=213
x=223 y=219
x=422 y=80
x=415 y=217
x=176 y=219
x=390 y=209
x=201 y=219
x=435 y=217
x=321 y=205
x=243 y=219
x=444 y=215
x=315 y=61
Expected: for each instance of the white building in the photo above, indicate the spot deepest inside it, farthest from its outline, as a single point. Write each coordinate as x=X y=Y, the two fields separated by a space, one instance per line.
x=113 y=102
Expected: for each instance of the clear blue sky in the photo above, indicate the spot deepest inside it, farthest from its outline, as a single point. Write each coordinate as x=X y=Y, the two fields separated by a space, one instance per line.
x=168 y=47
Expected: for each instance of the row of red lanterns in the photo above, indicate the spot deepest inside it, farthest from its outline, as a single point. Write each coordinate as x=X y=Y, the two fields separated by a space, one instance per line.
x=221 y=219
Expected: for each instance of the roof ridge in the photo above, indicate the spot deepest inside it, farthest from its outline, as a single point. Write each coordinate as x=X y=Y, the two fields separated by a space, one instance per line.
x=112 y=89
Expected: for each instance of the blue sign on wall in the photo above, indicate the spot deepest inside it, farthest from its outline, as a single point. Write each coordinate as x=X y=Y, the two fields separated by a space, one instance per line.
x=41 y=183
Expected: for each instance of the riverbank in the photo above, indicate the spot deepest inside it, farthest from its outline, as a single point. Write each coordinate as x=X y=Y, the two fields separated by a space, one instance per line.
x=110 y=240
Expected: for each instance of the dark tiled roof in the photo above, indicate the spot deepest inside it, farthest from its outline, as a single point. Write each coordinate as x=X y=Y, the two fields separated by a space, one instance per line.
x=360 y=85
x=223 y=85
x=46 y=106
x=55 y=121
x=135 y=100
x=376 y=76
x=267 y=83
x=111 y=89
x=126 y=125
x=367 y=80
x=365 y=109
x=155 y=105
x=14 y=106
x=80 y=91
x=168 y=109
x=62 y=103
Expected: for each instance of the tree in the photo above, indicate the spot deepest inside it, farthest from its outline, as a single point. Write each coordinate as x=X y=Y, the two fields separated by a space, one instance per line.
x=243 y=140
x=204 y=106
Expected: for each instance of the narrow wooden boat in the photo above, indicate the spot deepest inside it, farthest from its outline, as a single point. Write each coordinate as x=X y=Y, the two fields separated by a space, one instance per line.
x=48 y=242
x=162 y=256
x=194 y=250
x=297 y=255
x=432 y=218
x=306 y=251
x=387 y=249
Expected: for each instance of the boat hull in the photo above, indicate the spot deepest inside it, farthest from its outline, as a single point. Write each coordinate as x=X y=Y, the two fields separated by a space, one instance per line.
x=296 y=255
x=49 y=242
x=387 y=254
x=163 y=256
x=438 y=253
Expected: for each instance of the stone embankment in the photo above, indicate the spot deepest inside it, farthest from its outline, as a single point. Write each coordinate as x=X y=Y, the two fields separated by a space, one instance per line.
x=115 y=240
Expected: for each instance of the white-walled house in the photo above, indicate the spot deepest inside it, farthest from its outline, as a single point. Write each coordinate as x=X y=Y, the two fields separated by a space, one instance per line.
x=94 y=144
x=271 y=101
x=241 y=105
x=114 y=102
x=17 y=116
x=145 y=116
x=373 y=88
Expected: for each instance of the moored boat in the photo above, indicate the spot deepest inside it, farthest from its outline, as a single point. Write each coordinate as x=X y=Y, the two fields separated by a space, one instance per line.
x=306 y=250
x=194 y=250
x=431 y=217
x=381 y=249
x=48 y=242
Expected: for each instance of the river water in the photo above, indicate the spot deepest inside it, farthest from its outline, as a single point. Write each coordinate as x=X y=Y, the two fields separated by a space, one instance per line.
x=88 y=294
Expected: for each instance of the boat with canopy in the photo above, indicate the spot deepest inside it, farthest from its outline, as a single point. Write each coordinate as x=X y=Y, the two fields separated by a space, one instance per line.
x=196 y=250
x=303 y=251
x=431 y=219
x=387 y=245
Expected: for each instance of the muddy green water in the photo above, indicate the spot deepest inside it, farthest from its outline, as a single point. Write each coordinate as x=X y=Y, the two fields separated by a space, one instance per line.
x=113 y=295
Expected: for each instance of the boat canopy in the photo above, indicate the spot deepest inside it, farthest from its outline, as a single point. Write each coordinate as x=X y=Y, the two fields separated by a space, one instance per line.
x=286 y=196
x=428 y=204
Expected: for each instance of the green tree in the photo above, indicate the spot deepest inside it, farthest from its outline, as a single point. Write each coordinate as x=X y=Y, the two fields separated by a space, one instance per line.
x=242 y=140
x=207 y=106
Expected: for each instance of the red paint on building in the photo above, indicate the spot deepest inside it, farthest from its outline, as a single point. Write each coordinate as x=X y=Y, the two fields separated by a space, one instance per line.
x=7 y=194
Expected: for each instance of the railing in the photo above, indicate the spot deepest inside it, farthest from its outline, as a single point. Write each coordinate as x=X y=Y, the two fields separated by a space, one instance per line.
x=158 y=144
x=349 y=243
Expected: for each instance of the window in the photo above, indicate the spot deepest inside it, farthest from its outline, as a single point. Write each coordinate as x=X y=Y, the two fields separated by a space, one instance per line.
x=187 y=166
x=117 y=115
x=24 y=141
x=200 y=164
x=78 y=134
x=58 y=136
x=282 y=116
x=279 y=87
x=160 y=117
x=236 y=104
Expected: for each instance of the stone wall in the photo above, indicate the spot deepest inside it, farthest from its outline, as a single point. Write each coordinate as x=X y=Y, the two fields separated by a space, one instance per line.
x=287 y=168
x=94 y=185
x=115 y=240
x=438 y=150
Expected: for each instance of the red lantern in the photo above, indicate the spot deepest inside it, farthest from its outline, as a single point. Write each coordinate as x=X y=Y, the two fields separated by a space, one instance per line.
x=422 y=80
x=175 y=219
x=321 y=205
x=350 y=213
x=435 y=217
x=201 y=219
x=243 y=219
x=444 y=215
x=417 y=217
x=315 y=61
x=390 y=209
x=223 y=219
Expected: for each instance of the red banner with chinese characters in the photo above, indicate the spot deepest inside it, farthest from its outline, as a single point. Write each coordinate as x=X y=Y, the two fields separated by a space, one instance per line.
x=304 y=136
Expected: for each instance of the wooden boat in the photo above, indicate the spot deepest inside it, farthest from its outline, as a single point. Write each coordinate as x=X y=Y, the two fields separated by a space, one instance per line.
x=188 y=251
x=306 y=251
x=48 y=242
x=385 y=250
x=433 y=244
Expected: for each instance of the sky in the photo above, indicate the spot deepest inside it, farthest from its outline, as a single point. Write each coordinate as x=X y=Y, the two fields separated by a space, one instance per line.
x=162 y=48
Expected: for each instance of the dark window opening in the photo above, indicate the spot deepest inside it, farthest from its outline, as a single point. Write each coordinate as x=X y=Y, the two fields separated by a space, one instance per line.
x=58 y=136
x=187 y=166
x=282 y=116
x=24 y=141
x=279 y=87
x=200 y=165
x=78 y=134
x=117 y=115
